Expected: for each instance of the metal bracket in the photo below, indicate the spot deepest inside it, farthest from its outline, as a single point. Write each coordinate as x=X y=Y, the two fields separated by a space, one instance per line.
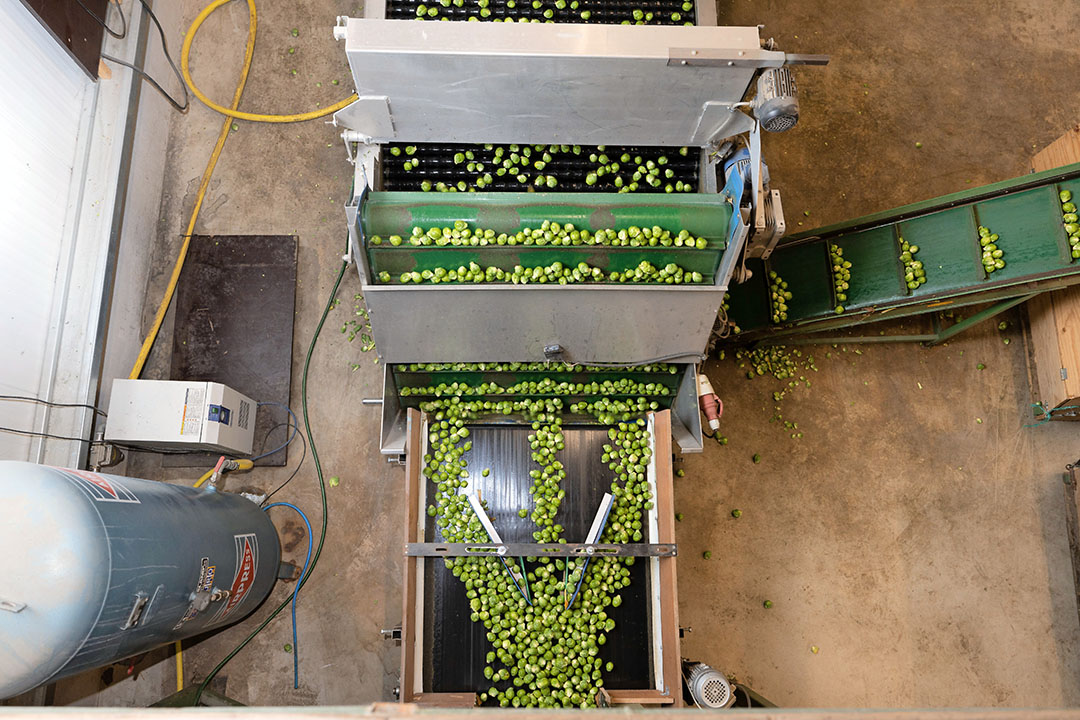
x=706 y=57
x=720 y=120
x=103 y=455
x=11 y=606
x=574 y=550
x=392 y=634
x=136 y=611
x=369 y=116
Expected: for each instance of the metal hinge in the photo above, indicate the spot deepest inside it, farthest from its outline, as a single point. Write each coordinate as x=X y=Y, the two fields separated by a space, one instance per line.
x=1064 y=374
x=136 y=611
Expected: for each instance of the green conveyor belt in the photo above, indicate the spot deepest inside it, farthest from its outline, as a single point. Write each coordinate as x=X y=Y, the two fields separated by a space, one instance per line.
x=405 y=378
x=1025 y=212
x=396 y=213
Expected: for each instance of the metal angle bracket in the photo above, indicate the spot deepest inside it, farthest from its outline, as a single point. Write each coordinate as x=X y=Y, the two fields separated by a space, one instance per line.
x=711 y=57
x=369 y=116
x=720 y=120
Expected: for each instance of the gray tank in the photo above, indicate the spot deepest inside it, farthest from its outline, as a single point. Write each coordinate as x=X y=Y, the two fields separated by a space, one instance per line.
x=96 y=568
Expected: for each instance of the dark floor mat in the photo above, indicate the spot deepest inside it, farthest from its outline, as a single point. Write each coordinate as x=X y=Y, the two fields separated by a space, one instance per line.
x=455 y=647
x=234 y=325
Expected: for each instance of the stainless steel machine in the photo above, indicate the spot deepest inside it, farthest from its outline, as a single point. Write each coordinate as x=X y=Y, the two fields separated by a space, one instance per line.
x=426 y=86
x=489 y=157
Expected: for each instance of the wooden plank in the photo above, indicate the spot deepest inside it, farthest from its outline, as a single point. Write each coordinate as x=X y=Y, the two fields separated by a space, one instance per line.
x=638 y=697
x=669 y=587
x=1046 y=351
x=77 y=26
x=446 y=700
x=413 y=456
x=1067 y=316
x=1055 y=338
x=1063 y=151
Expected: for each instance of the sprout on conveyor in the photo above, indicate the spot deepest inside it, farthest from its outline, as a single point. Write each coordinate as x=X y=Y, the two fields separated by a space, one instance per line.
x=914 y=273
x=993 y=257
x=780 y=297
x=556 y=274
x=547 y=233
x=545 y=386
x=541 y=168
x=841 y=270
x=542 y=654
x=537 y=367
x=1071 y=220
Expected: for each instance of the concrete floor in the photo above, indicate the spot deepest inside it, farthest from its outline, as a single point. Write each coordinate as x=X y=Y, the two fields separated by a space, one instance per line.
x=922 y=552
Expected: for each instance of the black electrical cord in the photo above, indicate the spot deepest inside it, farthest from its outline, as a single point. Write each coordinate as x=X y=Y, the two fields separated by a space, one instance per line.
x=168 y=58
x=35 y=433
x=322 y=493
x=152 y=449
x=50 y=403
x=303 y=456
x=100 y=21
x=295 y=426
x=129 y=448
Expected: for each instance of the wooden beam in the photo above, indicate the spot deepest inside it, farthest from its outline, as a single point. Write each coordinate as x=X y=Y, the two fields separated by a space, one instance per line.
x=1063 y=151
x=1053 y=317
x=669 y=587
x=446 y=700
x=413 y=456
x=638 y=697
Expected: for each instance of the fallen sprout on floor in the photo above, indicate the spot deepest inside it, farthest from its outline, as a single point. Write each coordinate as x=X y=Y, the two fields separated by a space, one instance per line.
x=782 y=364
x=359 y=326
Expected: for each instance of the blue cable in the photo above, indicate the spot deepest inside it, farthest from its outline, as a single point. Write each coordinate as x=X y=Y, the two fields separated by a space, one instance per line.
x=296 y=428
x=296 y=591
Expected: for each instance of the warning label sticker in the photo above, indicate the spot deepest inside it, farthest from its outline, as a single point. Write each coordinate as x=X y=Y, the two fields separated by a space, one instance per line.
x=194 y=409
x=247 y=558
x=204 y=584
x=100 y=488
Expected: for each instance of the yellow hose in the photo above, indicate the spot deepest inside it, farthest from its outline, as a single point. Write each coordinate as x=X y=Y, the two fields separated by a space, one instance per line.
x=241 y=466
x=233 y=112
x=229 y=113
x=204 y=478
x=179 y=666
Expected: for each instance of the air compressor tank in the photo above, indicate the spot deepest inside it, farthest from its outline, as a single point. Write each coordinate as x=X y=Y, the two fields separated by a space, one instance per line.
x=96 y=568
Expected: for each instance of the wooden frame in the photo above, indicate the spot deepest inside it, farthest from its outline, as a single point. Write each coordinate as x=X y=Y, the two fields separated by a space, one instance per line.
x=412 y=602
x=413 y=457
x=1054 y=317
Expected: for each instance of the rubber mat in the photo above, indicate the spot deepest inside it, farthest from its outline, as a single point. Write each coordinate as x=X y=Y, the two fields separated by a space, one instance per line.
x=454 y=646
x=234 y=325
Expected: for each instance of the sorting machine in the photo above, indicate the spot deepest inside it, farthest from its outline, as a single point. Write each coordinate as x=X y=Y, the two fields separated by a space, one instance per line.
x=441 y=105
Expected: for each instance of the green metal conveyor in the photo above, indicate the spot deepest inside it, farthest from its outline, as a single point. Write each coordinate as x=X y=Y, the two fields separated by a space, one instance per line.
x=1025 y=212
x=395 y=213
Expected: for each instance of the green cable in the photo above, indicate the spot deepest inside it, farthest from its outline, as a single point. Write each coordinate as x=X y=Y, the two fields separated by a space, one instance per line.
x=322 y=492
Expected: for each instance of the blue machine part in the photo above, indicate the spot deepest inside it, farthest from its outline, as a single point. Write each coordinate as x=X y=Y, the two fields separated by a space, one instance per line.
x=97 y=568
x=739 y=162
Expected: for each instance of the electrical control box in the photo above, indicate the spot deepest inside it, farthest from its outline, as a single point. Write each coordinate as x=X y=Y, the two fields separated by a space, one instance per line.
x=181 y=415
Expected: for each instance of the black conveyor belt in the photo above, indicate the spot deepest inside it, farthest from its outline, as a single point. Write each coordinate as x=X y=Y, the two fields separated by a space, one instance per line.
x=436 y=164
x=454 y=646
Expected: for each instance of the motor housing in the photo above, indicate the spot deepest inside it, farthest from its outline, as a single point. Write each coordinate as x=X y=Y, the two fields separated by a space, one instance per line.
x=708 y=686
x=776 y=105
